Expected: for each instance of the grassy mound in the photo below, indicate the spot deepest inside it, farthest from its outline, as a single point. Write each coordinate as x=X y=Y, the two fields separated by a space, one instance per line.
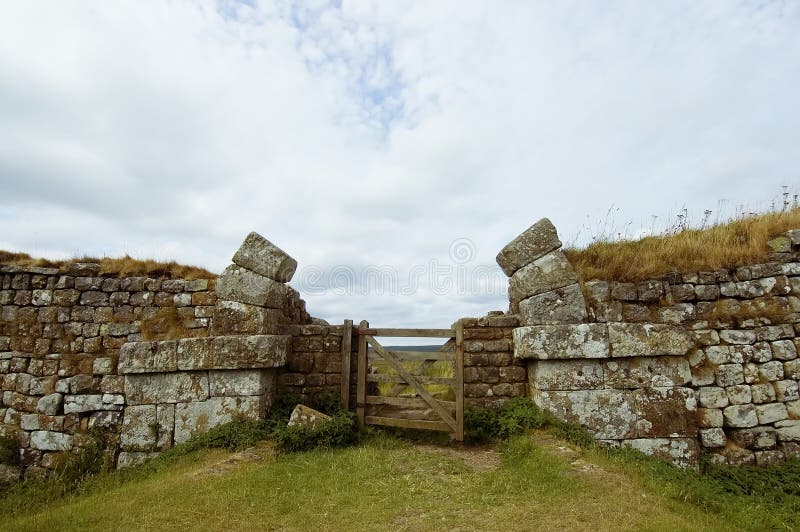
x=738 y=242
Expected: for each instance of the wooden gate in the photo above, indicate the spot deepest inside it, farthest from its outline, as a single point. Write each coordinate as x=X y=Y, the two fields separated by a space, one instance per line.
x=406 y=370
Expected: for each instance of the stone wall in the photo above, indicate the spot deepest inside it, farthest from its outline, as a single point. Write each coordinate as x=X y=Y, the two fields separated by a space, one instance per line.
x=687 y=364
x=314 y=365
x=60 y=338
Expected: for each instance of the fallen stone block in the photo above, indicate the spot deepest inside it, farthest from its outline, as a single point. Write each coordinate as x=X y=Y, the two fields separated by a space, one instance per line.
x=265 y=258
x=304 y=415
x=538 y=239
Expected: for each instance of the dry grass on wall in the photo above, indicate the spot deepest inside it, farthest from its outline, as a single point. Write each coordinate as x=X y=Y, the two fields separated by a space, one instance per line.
x=116 y=267
x=732 y=244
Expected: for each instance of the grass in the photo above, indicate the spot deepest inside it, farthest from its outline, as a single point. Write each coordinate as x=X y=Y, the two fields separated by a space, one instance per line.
x=115 y=266
x=387 y=483
x=735 y=243
x=537 y=479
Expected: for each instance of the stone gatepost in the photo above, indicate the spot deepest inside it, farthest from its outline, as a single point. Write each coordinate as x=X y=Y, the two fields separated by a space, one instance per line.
x=176 y=389
x=626 y=383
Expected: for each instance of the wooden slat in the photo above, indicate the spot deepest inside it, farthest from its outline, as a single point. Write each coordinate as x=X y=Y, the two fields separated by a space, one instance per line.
x=408 y=423
x=361 y=385
x=406 y=402
x=379 y=377
x=459 y=385
x=419 y=370
x=410 y=333
x=347 y=338
x=403 y=372
x=416 y=356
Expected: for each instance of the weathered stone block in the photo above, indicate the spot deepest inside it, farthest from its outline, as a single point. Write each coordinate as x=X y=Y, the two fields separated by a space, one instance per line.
x=562 y=305
x=139 y=428
x=710 y=417
x=637 y=340
x=738 y=336
x=786 y=390
x=244 y=286
x=45 y=440
x=198 y=417
x=729 y=374
x=754 y=438
x=771 y=412
x=740 y=416
x=771 y=371
x=233 y=352
x=148 y=357
x=538 y=239
x=131 y=458
x=763 y=393
x=233 y=317
x=788 y=430
x=739 y=394
x=665 y=412
x=49 y=404
x=647 y=372
x=565 y=375
x=240 y=382
x=304 y=415
x=712 y=438
x=166 y=387
x=712 y=397
x=784 y=350
x=683 y=452
x=546 y=273
x=265 y=258
x=607 y=414
x=545 y=342
x=86 y=403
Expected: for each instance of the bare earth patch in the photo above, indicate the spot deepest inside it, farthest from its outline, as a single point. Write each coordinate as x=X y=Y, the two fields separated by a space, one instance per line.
x=479 y=459
x=261 y=452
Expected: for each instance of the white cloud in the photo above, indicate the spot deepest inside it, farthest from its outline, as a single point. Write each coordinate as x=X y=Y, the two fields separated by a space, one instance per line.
x=378 y=133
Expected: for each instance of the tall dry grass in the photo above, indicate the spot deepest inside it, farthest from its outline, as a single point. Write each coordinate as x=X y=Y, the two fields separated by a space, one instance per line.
x=731 y=244
x=115 y=267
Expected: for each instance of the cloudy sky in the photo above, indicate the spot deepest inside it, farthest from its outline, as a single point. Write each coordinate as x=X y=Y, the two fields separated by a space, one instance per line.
x=391 y=147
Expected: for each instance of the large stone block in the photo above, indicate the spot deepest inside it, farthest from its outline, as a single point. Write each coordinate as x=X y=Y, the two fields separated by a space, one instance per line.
x=648 y=339
x=235 y=383
x=683 y=452
x=196 y=418
x=244 y=286
x=139 y=428
x=565 y=375
x=232 y=317
x=538 y=239
x=45 y=440
x=646 y=372
x=265 y=258
x=559 y=306
x=665 y=412
x=166 y=388
x=147 y=357
x=607 y=414
x=233 y=352
x=546 y=342
x=546 y=273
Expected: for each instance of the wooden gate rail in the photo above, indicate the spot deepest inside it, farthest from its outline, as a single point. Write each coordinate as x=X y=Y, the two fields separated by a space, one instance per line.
x=450 y=413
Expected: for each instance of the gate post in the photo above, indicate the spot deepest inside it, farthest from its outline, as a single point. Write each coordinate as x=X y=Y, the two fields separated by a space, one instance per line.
x=459 y=385
x=361 y=385
x=347 y=339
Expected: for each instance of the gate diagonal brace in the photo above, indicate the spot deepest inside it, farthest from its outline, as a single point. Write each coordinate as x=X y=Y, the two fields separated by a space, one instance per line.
x=403 y=372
